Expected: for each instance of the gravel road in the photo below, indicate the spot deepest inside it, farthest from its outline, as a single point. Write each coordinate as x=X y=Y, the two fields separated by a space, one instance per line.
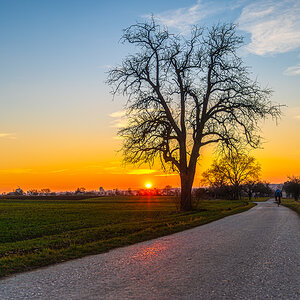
x=252 y=255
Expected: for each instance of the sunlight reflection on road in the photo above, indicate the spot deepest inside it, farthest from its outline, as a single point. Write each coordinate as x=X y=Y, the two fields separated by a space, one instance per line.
x=152 y=252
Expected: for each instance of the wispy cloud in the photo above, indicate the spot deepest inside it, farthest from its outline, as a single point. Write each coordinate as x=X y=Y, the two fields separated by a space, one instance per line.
x=115 y=170
x=274 y=26
x=118 y=114
x=292 y=71
x=183 y=18
x=8 y=135
x=297 y=117
x=164 y=175
x=119 y=121
x=141 y=171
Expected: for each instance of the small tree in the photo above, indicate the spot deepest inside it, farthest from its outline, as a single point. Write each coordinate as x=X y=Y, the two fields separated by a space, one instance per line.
x=234 y=169
x=45 y=191
x=292 y=187
x=184 y=93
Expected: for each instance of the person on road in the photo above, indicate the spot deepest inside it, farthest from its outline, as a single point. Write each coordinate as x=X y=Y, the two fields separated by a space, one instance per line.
x=278 y=196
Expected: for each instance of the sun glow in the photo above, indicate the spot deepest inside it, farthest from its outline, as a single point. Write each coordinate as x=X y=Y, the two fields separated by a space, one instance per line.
x=148 y=185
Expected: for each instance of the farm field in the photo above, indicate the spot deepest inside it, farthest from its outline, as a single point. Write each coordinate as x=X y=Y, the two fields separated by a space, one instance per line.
x=35 y=233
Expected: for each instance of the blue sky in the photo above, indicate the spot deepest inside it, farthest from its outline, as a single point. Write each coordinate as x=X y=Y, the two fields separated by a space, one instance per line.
x=54 y=56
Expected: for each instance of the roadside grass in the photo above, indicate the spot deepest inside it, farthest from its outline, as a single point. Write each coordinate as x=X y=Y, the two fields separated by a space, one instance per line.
x=292 y=204
x=35 y=233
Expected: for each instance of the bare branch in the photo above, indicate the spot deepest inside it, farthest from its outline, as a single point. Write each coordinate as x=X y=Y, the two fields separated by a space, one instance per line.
x=185 y=93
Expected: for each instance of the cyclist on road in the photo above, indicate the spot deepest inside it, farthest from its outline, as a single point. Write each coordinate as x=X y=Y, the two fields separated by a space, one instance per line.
x=278 y=195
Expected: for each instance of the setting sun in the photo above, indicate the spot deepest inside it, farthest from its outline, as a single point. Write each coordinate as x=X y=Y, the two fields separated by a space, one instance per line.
x=148 y=185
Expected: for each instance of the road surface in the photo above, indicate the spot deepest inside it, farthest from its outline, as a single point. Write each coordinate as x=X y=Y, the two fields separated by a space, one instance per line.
x=252 y=255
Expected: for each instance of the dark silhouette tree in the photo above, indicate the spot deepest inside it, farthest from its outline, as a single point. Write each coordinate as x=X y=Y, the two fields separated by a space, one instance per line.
x=234 y=169
x=45 y=191
x=213 y=177
x=80 y=190
x=292 y=187
x=185 y=93
x=258 y=188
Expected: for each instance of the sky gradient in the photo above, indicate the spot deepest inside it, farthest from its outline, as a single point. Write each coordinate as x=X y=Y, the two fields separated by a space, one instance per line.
x=58 y=122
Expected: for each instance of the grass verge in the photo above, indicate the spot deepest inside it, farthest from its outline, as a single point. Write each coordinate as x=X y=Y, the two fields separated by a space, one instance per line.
x=292 y=204
x=37 y=233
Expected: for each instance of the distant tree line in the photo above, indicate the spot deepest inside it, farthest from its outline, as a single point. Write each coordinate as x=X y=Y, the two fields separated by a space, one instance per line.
x=233 y=175
x=250 y=190
x=292 y=187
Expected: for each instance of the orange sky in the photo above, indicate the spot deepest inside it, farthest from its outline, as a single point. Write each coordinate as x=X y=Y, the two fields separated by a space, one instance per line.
x=66 y=163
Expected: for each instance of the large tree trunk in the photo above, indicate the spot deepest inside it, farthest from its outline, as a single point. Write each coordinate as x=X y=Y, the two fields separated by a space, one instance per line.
x=186 y=192
x=236 y=192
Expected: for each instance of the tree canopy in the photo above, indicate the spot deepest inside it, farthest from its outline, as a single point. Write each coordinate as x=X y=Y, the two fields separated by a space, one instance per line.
x=233 y=169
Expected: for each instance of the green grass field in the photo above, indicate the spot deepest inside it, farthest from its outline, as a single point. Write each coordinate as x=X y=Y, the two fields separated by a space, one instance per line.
x=37 y=233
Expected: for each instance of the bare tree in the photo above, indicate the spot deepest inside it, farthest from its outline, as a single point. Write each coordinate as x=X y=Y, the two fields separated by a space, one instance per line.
x=185 y=93
x=213 y=179
x=45 y=191
x=234 y=169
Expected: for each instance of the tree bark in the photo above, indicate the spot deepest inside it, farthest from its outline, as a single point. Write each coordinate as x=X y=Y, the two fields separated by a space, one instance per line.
x=236 y=192
x=186 y=192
